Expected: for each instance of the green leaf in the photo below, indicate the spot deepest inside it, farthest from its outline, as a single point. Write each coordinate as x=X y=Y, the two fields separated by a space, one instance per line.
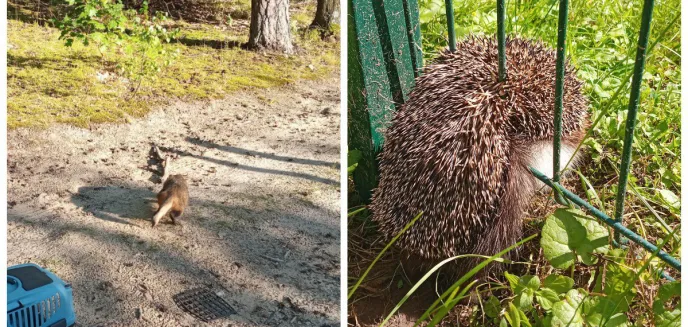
x=596 y=240
x=569 y=232
x=670 y=198
x=561 y=233
x=557 y=283
x=619 y=286
x=524 y=319
x=353 y=157
x=669 y=290
x=492 y=307
x=601 y=311
x=90 y=11
x=98 y=25
x=513 y=280
x=665 y=316
x=515 y=315
x=669 y=318
x=528 y=282
x=567 y=312
x=350 y=169
x=524 y=301
x=524 y=288
x=546 y=298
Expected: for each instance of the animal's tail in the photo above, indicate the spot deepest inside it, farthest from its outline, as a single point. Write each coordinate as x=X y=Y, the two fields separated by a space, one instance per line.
x=162 y=211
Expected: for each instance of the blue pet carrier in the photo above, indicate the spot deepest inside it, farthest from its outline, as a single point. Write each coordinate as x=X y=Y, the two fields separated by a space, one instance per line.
x=38 y=298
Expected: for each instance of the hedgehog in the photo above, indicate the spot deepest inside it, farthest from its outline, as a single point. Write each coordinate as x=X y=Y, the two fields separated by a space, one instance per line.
x=459 y=149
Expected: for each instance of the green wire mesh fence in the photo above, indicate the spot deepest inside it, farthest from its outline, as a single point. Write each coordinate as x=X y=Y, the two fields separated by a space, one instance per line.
x=385 y=57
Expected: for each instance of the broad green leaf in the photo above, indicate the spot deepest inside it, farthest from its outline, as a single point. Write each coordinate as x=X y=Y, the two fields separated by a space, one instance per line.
x=596 y=240
x=669 y=319
x=528 y=282
x=670 y=198
x=619 y=287
x=524 y=288
x=600 y=311
x=666 y=317
x=91 y=11
x=492 y=307
x=669 y=290
x=557 y=283
x=524 y=300
x=513 y=280
x=546 y=298
x=569 y=232
x=567 y=312
x=560 y=234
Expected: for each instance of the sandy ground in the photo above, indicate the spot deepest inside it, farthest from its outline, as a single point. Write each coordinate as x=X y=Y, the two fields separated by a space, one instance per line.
x=262 y=229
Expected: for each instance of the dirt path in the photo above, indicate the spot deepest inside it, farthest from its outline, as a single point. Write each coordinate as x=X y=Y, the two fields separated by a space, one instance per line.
x=262 y=229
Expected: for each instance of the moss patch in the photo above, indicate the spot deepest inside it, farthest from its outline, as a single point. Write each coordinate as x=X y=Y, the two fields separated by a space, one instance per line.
x=50 y=83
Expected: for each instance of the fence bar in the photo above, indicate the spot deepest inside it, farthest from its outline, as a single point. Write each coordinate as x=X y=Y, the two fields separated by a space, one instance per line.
x=450 y=24
x=617 y=226
x=501 y=39
x=633 y=110
x=559 y=92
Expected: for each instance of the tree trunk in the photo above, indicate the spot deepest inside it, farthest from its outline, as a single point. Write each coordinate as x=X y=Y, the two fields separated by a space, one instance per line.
x=326 y=14
x=270 y=26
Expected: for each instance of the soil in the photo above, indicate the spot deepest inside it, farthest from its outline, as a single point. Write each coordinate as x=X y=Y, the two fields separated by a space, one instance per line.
x=261 y=230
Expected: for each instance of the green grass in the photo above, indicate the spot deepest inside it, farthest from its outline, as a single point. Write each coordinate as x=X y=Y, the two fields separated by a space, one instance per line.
x=49 y=83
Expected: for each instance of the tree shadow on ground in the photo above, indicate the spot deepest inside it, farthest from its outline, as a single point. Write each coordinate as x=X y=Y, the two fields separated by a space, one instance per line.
x=36 y=11
x=58 y=63
x=116 y=203
x=271 y=156
x=255 y=169
x=215 y=44
x=238 y=248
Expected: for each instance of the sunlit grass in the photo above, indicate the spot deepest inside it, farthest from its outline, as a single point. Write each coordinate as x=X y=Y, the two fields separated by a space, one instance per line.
x=50 y=83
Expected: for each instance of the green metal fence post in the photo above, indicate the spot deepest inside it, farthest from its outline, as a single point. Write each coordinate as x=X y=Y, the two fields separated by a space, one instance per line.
x=413 y=30
x=501 y=39
x=632 y=111
x=559 y=93
x=449 y=6
x=383 y=61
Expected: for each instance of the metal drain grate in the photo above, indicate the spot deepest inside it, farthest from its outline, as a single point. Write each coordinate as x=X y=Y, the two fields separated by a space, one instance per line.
x=203 y=304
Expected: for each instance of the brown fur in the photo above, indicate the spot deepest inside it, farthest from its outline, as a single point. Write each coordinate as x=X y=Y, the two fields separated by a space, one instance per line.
x=172 y=199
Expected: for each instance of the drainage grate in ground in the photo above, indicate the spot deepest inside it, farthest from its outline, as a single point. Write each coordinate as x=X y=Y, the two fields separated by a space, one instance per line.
x=203 y=304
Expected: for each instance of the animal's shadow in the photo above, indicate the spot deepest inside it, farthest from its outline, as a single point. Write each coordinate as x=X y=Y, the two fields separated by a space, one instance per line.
x=117 y=203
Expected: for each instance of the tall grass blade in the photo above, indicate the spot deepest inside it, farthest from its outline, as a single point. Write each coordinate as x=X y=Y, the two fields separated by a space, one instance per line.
x=465 y=277
x=444 y=310
x=360 y=280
